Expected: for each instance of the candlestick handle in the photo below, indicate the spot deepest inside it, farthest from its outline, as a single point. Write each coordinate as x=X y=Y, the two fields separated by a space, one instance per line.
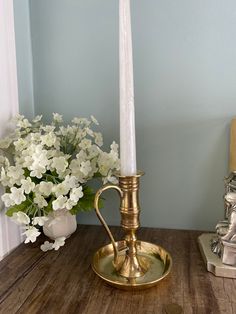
x=100 y=217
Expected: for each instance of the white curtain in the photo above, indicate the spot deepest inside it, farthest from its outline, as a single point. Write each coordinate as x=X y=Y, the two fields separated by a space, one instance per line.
x=10 y=235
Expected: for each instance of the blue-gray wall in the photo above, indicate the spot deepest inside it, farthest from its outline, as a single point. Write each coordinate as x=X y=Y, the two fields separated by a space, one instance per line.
x=185 y=95
x=24 y=57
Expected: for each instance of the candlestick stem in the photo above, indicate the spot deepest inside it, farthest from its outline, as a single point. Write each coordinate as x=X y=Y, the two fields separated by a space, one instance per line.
x=129 y=265
x=132 y=266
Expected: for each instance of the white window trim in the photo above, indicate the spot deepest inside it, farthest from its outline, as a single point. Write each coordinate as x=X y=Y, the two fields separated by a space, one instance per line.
x=10 y=234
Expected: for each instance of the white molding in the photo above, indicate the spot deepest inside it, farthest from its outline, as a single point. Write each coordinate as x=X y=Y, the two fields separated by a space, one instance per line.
x=10 y=234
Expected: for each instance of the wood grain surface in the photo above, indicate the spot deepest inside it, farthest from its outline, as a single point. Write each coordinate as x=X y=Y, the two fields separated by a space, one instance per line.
x=63 y=282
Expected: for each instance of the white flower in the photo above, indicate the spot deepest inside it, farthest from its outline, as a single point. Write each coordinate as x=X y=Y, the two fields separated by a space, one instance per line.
x=34 y=137
x=31 y=234
x=85 y=167
x=94 y=167
x=77 y=120
x=114 y=156
x=7 y=200
x=106 y=162
x=93 y=151
x=110 y=178
x=95 y=121
x=81 y=156
x=76 y=194
x=85 y=143
x=114 y=147
x=45 y=188
x=37 y=172
x=5 y=142
x=59 y=163
x=27 y=160
x=57 y=117
x=48 y=128
x=20 y=218
x=5 y=180
x=17 y=195
x=61 y=189
x=18 y=117
x=58 y=243
x=15 y=173
x=4 y=162
x=24 y=124
x=89 y=132
x=52 y=153
x=27 y=185
x=40 y=201
x=71 y=181
x=37 y=118
x=46 y=246
x=98 y=139
x=20 y=144
x=39 y=220
x=74 y=167
x=59 y=203
x=49 y=139
x=70 y=204
x=62 y=131
x=39 y=161
x=75 y=170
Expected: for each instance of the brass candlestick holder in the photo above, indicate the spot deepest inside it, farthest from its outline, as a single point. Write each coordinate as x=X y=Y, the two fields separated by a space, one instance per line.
x=129 y=263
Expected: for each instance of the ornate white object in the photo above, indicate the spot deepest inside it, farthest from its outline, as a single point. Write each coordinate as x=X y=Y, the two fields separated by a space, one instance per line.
x=219 y=249
x=61 y=223
x=212 y=261
x=225 y=244
x=230 y=235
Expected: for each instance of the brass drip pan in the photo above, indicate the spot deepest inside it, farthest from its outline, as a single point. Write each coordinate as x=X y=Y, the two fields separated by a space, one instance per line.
x=158 y=260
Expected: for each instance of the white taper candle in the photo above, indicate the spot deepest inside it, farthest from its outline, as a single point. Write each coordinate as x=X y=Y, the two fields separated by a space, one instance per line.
x=127 y=112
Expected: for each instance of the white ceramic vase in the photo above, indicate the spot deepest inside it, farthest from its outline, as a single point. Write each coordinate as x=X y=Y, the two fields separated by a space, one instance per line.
x=61 y=223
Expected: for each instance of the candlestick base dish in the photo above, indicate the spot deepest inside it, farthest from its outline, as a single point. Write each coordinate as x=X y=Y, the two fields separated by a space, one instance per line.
x=157 y=260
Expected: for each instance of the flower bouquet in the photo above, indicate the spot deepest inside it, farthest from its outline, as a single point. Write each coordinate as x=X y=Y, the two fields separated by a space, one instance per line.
x=46 y=169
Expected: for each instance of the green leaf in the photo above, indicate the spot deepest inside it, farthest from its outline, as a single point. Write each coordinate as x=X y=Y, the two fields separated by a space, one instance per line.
x=86 y=203
x=8 y=190
x=97 y=175
x=26 y=172
x=21 y=207
x=48 y=208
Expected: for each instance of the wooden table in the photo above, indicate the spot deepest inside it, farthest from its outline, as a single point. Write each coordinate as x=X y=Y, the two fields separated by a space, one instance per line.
x=63 y=282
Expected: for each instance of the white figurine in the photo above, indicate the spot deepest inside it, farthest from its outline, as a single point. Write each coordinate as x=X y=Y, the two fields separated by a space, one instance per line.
x=225 y=245
x=230 y=235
